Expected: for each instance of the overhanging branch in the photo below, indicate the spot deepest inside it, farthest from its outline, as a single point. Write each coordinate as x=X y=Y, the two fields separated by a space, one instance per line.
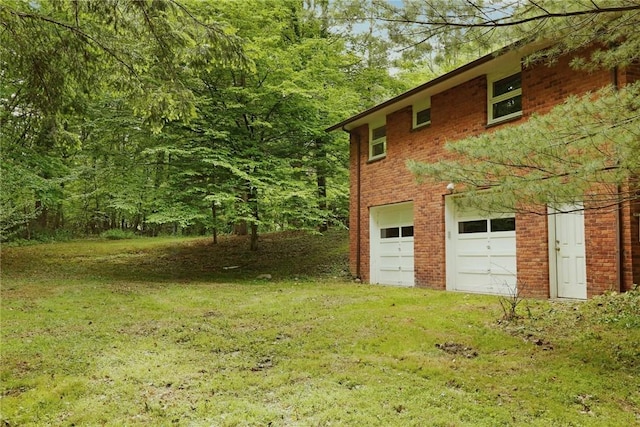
x=505 y=22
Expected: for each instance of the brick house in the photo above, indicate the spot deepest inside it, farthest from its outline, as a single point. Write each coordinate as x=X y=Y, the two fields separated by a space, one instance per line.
x=410 y=234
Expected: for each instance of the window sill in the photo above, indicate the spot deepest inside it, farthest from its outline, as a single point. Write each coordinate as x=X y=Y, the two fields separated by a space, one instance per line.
x=503 y=120
x=423 y=126
x=377 y=159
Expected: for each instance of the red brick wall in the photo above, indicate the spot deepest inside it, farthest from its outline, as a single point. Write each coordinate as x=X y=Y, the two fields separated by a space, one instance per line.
x=601 y=239
x=544 y=86
x=629 y=74
x=532 y=255
x=457 y=113
x=630 y=244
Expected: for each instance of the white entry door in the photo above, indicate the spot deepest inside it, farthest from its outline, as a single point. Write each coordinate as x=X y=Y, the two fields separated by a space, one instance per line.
x=392 y=245
x=571 y=267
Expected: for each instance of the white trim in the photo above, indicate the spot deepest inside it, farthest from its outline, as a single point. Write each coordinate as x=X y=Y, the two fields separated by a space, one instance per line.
x=450 y=247
x=372 y=126
x=553 y=255
x=417 y=107
x=491 y=79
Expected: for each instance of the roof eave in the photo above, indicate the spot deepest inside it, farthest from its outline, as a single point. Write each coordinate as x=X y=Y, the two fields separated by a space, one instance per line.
x=467 y=67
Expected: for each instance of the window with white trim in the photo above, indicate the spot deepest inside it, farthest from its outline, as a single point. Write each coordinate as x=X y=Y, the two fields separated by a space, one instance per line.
x=505 y=97
x=422 y=113
x=377 y=140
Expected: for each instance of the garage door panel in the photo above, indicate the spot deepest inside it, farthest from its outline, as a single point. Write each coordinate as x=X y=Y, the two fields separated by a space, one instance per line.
x=406 y=246
x=484 y=253
x=504 y=263
x=503 y=242
x=476 y=263
x=406 y=263
x=389 y=260
x=392 y=252
x=393 y=276
x=487 y=286
x=472 y=245
x=501 y=277
x=480 y=237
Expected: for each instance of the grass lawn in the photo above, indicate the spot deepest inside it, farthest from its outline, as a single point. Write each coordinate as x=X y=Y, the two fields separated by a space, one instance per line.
x=180 y=332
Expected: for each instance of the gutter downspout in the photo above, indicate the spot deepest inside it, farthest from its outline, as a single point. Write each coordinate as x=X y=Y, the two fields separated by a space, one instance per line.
x=619 y=220
x=358 y=208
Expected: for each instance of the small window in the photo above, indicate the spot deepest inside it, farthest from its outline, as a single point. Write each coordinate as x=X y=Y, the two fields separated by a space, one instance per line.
x=380 y=132
x=422 y=113
x=507 y=107
x=423 y=117
x=468 y=227
x=389 y=233
x=407 y=231
x=378 y=142
x=508 y=84
x=505 y=98
x=503 y=224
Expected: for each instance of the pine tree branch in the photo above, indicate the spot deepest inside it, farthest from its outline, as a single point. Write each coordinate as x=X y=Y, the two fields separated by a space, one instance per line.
x=75 y=30
x=490 y=23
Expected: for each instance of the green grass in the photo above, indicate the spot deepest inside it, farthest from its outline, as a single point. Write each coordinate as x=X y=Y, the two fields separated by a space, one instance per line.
x=158 y=332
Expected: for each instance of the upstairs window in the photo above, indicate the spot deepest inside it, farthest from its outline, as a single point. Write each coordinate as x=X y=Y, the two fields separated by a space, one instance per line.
x=422 y=113
x=505 y=98
x=378 y=142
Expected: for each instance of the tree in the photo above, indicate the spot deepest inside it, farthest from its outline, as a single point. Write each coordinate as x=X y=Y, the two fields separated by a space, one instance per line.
x=270 y=112
x=179 y=116
x=586 y=149
x=280 y=169
x=58 y=58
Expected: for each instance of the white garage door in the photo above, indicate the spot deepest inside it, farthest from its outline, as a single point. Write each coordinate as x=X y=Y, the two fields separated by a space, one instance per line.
x=392 y=245
x=482 y=257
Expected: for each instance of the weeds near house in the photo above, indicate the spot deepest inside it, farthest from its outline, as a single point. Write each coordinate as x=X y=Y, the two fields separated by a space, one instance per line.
x=621 y=309
x=510 y=302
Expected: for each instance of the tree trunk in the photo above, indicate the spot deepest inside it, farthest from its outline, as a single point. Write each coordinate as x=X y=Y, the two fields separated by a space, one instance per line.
x=322 y=201
x=254 y=237
x=42 y=218
x=253 y=202
x=215 y=223
x=321 y=179
x=240 y=228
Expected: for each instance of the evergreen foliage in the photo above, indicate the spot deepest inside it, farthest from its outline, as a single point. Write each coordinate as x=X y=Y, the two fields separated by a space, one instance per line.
x=580 y=152
x=587 y=149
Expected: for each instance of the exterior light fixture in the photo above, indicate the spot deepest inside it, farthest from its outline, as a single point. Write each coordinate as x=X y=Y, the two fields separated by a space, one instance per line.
x=450 y=187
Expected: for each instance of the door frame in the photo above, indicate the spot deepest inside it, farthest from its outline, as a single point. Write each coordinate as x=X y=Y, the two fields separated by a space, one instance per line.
x=552 y=215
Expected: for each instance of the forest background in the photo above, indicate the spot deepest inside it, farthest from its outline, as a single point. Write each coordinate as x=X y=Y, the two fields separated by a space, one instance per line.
x=207 y=117
x=188 y=117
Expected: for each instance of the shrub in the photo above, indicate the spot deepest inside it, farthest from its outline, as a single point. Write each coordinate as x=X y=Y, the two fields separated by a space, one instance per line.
x=117 y=234
x=618 y=308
